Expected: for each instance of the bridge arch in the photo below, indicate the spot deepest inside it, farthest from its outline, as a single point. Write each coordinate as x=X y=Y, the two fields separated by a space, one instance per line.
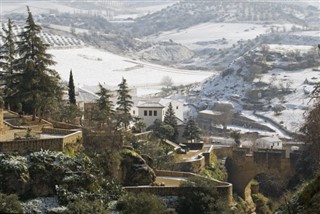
x=243 y=166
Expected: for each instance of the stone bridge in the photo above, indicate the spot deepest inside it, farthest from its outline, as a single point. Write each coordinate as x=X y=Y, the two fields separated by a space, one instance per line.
x=244 y=166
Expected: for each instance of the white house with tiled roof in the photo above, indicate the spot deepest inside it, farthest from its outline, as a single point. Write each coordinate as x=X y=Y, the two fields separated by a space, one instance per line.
x=150 y=111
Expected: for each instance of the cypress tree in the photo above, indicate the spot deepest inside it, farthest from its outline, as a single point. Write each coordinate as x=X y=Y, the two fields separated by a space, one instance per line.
x=191 y=131
x=35 y=82
x=170 y=119
x=124 y=103
x=105 y=106
x=71 y=91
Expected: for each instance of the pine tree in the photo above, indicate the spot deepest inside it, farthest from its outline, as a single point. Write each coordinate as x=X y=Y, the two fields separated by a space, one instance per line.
x=191 y=131
x=105 y=106
x=124 y=103
x=8 y=54
x=71 y=91
x=170 y=119
x=8 y=51
x=35 y=81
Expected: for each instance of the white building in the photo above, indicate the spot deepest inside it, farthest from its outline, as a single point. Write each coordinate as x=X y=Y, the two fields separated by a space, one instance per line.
x=82 y=96
x=268 y=143
x=150 y=111
x=177 y=106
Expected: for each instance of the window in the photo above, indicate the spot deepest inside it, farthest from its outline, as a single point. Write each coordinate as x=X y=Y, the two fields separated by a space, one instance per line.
x=134 y=112
x=150 y=113
x=177 y=107
x=145 y=113
x=155 y=113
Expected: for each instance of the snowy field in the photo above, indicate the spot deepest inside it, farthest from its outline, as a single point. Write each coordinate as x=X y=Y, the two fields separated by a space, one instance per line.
x=91 y=66
x=217 y=35
x=36 y=7
x=138 y=11
x=115 y=10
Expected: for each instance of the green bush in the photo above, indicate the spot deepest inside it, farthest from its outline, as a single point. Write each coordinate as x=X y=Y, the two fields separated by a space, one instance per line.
x=142 y=203
x=10 y=204
x=202 y=198
x=304 y=200
x=262 y=204
x=82 y=206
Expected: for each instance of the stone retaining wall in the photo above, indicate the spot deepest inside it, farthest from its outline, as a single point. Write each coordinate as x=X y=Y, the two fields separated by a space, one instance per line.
x=25 y=146
x=224 y=188
x=61 y=125
x=57 y=131
x=207 y=155
x=28 y=146
x=196 y=165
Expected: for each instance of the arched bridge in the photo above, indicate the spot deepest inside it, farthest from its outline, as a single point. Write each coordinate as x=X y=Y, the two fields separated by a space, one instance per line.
x=244 y=166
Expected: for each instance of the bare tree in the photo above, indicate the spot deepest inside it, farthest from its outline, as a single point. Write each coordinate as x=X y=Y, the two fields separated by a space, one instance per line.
x=167 y=81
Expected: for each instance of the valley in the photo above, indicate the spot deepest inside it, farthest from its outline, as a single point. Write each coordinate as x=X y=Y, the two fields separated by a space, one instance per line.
x=239 y=79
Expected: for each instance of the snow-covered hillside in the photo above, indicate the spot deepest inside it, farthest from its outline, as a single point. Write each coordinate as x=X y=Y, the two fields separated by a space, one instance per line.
x=271 y=80
x=91 y=66
x=218 y=35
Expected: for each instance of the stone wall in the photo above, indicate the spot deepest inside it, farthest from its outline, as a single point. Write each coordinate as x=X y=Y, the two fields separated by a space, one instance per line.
x=196 y=165
x=224 y=188
x=207 y=155
x=26 y=146
x=74 y=137
x=244 y=166
x=194 y=146
x=57 y=131
x=222 y=152
x=61 y=125
x=144 y=135
x=1 y=120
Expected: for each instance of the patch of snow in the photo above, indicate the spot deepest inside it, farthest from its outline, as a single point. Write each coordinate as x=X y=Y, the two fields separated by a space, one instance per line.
x=110 y=69
x=42 y=205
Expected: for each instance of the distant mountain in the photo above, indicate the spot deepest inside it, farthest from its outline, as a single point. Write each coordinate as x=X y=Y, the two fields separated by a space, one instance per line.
x=188 y=13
